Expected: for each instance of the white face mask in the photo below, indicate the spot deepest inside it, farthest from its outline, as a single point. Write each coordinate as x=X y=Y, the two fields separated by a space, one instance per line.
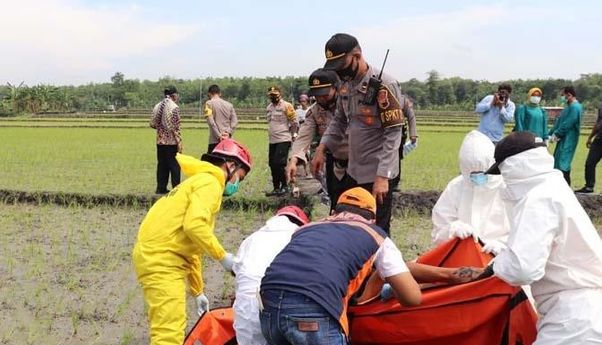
x=535 y=99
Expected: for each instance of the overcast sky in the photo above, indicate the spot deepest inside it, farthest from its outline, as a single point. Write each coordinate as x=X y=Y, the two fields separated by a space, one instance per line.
x=79 y=41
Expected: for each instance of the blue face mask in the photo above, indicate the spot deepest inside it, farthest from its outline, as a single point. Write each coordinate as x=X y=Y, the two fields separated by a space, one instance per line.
x=478 y=179
x=231 y=188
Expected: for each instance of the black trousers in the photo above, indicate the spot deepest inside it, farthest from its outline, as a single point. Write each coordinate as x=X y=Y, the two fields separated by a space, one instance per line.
x=593 y=157
x=166 y=165
x=210 y=147
x=384 y=210
x=335 y=186
x=278 y=156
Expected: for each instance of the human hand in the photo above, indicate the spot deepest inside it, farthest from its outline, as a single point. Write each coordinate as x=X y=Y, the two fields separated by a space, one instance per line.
x=224 y=135
x=227 y=262
x=493 y=247
x=380 y=188
x=461 y=230
x=291 y=171
x=202 y=303
x=588 y=143
x=386 y=292
x=180 y=146
x=553 y=138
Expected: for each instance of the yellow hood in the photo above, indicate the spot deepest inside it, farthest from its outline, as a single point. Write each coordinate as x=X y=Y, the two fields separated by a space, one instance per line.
x=191 y=166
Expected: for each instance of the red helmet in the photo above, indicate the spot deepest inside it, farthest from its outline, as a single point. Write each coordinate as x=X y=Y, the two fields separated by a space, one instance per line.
x=230 y=148
x=295 y=212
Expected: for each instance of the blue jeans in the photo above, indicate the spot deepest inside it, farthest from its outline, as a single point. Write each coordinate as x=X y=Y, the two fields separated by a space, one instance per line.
x=290 y=318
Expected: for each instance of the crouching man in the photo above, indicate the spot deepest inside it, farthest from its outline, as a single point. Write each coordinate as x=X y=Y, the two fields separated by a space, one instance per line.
x=306 y=289
x=254 y=255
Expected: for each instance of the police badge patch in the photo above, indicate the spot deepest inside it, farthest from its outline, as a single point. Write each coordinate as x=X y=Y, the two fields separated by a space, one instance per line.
x=389 y=108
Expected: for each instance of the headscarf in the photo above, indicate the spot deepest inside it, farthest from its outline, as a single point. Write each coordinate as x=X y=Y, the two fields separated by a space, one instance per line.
x=532 y=91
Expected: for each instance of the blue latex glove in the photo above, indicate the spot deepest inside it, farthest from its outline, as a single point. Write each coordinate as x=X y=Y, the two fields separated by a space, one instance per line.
x=409 y=147
x=386 y=292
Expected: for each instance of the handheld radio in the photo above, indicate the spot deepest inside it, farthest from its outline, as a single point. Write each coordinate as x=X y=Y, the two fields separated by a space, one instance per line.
x=374 y=85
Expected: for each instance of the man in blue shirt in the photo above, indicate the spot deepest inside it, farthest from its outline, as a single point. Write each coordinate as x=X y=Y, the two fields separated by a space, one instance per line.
x=496 y=110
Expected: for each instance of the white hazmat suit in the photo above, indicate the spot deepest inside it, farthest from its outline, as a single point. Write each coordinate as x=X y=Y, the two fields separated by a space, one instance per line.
x=465 y=209
x=254 y=256
x=553 y=246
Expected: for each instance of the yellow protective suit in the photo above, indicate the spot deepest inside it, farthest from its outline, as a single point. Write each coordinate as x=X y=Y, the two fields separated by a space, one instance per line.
x=176 y=231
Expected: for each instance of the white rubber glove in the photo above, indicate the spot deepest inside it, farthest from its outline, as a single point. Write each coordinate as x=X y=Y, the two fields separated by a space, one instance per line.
x=553 y=138
x=494 y=247
x=461 y=230
x=202 y=303
x=409 y=147
x=228 y=261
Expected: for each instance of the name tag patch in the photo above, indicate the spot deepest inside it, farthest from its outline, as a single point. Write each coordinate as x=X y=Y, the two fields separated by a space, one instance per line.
x=389 y=108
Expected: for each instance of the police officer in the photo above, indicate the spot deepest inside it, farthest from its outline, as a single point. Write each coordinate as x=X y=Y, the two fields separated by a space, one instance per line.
x=373 y=128
x=282 y=131
x=322 y=86
x=221 y=117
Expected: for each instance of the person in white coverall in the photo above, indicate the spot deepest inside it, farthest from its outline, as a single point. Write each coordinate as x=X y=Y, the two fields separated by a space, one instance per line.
x=254 y=256
x=471 y=203
x=552 y=244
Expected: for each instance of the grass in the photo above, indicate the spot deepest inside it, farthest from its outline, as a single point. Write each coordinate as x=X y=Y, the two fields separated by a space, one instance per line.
x=122 y=161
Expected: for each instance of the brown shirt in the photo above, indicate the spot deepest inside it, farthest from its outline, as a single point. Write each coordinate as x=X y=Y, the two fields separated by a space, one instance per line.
x=373 y=149
x=221 y=118
x=282 y=122
x=317 y=119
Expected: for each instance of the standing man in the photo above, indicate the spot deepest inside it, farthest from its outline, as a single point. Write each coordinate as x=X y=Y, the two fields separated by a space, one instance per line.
x=166 y=120
x=221 y=117
x=322 y=85
x=594 y=144
x=496 y=110
x=178 y=231
x=565 y=132
x=282 y=130
x=373 y=124
x=553 y=245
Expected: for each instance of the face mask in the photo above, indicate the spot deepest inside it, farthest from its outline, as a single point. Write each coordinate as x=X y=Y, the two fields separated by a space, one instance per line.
x=478 y=179
x=349 y=72
x=231 y=188
x=562 y=99
x=535 y=99
x=274 y=99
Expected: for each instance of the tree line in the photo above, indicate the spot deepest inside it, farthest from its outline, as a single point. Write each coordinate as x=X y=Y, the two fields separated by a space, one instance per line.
x=435 y=92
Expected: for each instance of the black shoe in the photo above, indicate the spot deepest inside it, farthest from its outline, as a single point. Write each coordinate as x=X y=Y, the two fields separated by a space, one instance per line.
x=273 y=193
x=282 y=191
x=585 y=190
x=161 y=191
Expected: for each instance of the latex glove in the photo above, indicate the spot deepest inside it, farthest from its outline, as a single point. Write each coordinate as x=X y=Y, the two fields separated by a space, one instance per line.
x=493 y=247
x=202 y=303
x=547 y=142
x=409 y=147
x=553 y=138
x=386 y=292
x=227 y=262
x=461 y=230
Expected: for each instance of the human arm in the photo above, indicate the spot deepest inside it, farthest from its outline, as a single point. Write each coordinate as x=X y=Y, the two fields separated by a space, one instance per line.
x=485 y=104
x=595 y=129
x=233 y=121
x=408 y=110
x=199 y=219
x=393 y=270
x=330 y=139
x=445 y=211
x=507 y=111
x=195 y=276
x=306 y=134
x=519 y=119
x=530 y=243
x=566 y=122
x=208 y=111
x=291 y=116
x=154 y=121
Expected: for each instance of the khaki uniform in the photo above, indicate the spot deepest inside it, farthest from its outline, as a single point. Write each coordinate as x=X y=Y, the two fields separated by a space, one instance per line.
x=373 y=149
x=316 y=121
x=221 y=118
x=282 y=121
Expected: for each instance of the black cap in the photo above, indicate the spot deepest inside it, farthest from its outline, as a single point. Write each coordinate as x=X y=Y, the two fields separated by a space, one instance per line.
x=321 y=80
x=170 y=90
x=514 y=143
x=336 y=48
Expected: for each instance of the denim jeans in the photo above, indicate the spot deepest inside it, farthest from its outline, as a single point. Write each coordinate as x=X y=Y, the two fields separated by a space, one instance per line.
x=290 y=318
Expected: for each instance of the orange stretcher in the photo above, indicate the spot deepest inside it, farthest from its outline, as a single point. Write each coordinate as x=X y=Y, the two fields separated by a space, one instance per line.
x=484 y=312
